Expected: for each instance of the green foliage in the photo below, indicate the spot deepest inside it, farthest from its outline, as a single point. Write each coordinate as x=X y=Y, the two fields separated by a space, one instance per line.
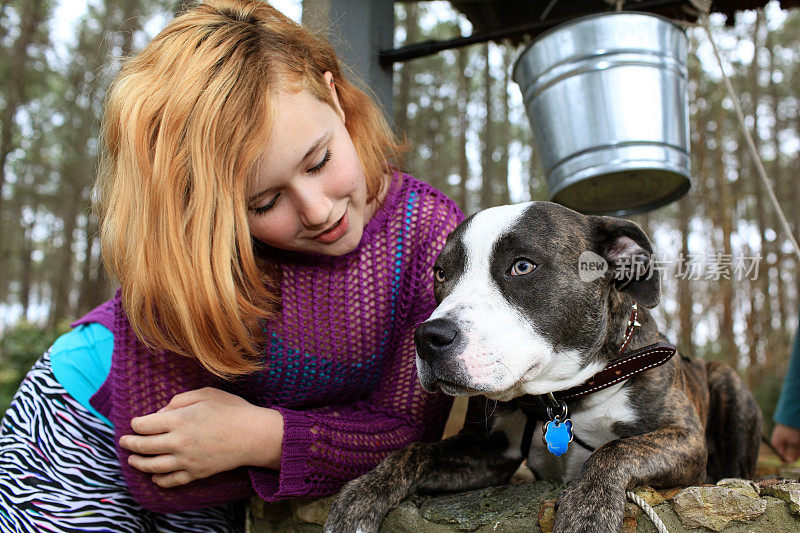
x=20 y=347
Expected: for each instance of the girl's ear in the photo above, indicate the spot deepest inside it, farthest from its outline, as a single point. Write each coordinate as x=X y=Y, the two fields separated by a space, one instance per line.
x=328 y=76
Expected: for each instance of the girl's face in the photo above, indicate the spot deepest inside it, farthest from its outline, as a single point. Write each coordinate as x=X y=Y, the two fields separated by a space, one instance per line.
x=310 y=193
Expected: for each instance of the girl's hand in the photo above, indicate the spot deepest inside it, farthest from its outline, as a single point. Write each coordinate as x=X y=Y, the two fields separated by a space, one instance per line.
x=786 y=440
x=203 y=432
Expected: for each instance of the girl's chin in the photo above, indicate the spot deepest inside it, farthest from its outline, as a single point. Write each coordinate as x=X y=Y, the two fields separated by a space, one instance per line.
x=343 y=246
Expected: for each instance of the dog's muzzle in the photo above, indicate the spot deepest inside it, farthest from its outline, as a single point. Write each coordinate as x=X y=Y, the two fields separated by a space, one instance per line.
x=439 y=343
x=436 y=339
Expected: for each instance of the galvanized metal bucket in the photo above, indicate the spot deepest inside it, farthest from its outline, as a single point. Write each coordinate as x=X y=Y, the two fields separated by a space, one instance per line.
x=607 y=100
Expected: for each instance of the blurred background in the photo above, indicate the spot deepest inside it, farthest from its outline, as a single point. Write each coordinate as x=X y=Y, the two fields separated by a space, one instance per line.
x=468 y=136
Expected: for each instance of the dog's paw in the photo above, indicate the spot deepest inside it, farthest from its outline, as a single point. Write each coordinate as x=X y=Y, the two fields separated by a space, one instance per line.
x=350 y=520
x=589 y=510
x=360 y=507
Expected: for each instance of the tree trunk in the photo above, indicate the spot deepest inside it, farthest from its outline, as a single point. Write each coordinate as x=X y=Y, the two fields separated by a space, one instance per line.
x=537 y=180
x=131 y=23
x=4 y=25
x=63 y=275
x=406 y=72
x=724 y=222
x=763 y=312
x=87 y=279
x=781 y=335
x=503 y=193
x=15 y=94
x=487 y=179
x=462 y=57
x=686 y=336
x=26 y=273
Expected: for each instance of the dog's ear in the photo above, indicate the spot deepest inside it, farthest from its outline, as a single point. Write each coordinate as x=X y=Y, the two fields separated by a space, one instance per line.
x=629 y=255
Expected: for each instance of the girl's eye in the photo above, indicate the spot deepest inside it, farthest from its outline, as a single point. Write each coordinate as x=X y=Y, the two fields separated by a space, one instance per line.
x=522 y=267
x=266 y=207
x=438 y=274
x=319 y=166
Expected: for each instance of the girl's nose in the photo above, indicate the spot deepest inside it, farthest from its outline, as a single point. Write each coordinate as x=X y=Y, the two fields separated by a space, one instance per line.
x=314 y=207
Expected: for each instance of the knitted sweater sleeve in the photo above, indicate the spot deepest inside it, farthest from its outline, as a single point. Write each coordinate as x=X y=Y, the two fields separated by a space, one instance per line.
x=326 y=447
x=136 y=386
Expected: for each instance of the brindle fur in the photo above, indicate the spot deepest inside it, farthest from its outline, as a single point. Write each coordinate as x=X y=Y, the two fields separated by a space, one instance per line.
x=695 y=422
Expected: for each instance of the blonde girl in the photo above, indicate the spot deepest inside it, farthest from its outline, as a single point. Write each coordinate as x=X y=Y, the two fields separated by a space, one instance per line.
x=272 y=267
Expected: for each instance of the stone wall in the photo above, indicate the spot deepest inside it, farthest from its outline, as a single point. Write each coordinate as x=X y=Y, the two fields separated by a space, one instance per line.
x=740 y=506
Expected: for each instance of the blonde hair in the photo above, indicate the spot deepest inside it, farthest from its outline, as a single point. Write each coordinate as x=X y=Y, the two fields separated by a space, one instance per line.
x=185 y=123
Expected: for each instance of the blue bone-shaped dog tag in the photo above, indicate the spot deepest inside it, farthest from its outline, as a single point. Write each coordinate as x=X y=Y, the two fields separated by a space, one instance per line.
x=557 y=435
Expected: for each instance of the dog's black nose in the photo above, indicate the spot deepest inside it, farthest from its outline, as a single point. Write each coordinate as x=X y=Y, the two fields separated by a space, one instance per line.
x=435 y=337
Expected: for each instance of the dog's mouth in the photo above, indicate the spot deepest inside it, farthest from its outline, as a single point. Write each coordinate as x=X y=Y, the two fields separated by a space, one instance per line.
x=457 y=388
x=452 y=388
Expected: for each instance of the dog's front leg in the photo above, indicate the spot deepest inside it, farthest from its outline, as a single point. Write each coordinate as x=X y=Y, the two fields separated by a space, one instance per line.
x=594 y=502
x=464 y=461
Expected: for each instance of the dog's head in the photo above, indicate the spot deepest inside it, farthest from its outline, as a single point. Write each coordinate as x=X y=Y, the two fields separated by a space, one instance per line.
x=523 y=293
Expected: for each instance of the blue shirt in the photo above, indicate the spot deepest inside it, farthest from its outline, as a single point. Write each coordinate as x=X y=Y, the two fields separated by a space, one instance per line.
x=788 y=410
x=81 y=360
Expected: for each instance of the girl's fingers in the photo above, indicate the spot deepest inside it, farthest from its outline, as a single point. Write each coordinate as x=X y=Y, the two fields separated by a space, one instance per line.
x=148 y=445
x=173 y=479
x=159 y=464
x=152 y=424
x=191 y=397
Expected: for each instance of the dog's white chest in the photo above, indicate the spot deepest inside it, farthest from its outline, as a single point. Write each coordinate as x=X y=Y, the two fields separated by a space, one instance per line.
x=592 y=426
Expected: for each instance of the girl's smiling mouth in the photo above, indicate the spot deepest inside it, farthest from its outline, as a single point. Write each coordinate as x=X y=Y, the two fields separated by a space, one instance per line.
x=335 y=232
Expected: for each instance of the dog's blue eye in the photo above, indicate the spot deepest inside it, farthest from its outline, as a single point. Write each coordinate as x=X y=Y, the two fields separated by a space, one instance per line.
x=522 y=267
x=438 y=273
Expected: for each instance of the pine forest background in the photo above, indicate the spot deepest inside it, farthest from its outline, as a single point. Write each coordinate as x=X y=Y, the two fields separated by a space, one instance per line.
x=468 y=135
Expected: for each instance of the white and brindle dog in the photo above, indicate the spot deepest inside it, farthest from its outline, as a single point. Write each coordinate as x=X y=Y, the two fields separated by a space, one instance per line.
x=518 y=319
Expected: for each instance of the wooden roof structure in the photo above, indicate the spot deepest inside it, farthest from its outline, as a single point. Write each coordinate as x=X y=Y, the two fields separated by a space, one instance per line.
x=369 y=36
x=515 y=21
x=494 y=15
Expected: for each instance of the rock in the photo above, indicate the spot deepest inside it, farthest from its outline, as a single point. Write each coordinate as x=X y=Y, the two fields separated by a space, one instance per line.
x=789 y=492
x=668 y=494
x=714 y=507
x=547 y=515
x=650 y=495
x=748 y=488
x=772 y=481
x=489 y=508
x=273 y=517
x=256 y=508
x=405 y=518
x=311 y=511
x=630 y=523
x=530 y=507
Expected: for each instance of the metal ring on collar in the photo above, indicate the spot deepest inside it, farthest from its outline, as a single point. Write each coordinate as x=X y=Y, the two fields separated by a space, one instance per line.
x=560 y=404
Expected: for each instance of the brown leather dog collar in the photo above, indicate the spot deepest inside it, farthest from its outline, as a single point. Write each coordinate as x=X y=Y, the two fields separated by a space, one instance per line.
x=617 y=371
x=542 y=407
x=621 y=369
x=553 y=406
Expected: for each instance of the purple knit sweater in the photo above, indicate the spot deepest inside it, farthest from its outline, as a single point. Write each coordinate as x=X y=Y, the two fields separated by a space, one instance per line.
x=339 y=361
